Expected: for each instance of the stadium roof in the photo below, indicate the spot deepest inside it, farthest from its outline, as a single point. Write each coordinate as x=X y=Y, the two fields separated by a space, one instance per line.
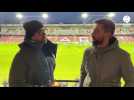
x=62 y=17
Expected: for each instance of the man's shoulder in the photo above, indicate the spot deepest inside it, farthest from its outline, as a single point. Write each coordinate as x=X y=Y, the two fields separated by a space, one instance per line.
x=89 y=50
x=18 y=57
x=123 y=52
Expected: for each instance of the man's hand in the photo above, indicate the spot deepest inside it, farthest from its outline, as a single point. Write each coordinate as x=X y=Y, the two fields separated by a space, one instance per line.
x=55 y=84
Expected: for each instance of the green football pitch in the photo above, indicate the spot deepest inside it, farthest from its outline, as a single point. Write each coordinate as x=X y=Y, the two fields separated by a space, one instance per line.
x=68 y=60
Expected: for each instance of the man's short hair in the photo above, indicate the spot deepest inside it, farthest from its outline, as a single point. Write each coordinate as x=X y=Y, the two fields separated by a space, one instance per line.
x=108 y=25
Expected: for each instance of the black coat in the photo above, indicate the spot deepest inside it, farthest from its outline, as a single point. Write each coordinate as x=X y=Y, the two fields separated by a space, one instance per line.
x=29 y=67
x=50 y=50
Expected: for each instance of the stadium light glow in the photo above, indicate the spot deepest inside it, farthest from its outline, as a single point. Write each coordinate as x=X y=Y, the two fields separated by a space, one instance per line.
x=84 y=15
x=45 y=15
x=111 y=15
x=19 y=16
x=126 y=19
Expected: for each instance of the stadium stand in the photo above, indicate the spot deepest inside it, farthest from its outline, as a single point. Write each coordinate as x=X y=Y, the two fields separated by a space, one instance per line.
x=58 y=32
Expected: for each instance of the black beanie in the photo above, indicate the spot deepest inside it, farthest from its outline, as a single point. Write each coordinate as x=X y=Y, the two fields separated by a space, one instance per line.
x=31 y=28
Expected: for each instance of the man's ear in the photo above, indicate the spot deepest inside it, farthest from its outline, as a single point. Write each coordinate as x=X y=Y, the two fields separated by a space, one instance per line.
x=33 y=37
x=108 y=34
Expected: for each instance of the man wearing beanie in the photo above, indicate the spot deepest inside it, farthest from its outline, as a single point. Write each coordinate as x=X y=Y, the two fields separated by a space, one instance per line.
x=106 y=63
x=30 y=67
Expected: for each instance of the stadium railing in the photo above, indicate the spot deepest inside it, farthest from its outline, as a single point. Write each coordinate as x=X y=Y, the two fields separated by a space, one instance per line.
x=58 y=83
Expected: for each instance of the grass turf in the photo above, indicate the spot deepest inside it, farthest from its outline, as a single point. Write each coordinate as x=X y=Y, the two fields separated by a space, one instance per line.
x=68 y=61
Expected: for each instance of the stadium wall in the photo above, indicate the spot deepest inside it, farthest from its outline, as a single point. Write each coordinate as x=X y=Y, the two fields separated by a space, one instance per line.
x=63 y=38
x=65 y=32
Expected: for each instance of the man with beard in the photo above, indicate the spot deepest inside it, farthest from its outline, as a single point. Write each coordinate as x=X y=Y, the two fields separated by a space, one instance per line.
x=106 y=63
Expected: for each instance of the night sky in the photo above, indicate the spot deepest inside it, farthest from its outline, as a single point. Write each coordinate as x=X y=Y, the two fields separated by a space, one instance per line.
x=61 y=17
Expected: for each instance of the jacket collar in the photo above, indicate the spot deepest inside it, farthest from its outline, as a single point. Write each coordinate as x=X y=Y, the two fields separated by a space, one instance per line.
x=113 y=43
x=32 y=44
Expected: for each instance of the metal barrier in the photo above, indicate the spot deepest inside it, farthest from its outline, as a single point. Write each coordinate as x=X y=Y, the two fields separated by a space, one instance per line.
x=57 y=83
x=65 y=83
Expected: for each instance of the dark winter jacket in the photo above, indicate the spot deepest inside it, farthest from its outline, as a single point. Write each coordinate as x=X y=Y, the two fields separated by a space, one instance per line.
x=30 y=67
x=104 y=67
